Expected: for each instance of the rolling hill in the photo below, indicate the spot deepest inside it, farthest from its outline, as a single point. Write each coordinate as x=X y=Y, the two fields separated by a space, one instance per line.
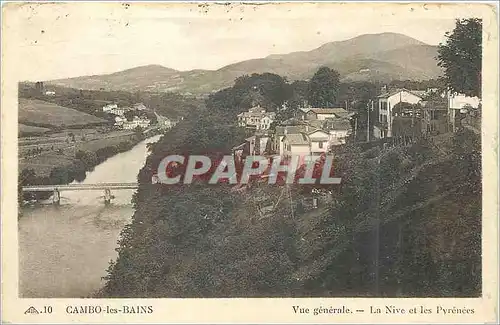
x=44 y=114
x=371 y=57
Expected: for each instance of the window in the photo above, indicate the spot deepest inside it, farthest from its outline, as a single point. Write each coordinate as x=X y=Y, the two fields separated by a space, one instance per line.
x=320 y=144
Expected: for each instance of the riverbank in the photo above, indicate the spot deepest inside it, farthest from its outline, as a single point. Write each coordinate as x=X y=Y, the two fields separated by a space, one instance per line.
x=64 y=250
x=42 y=153
x=64 y=165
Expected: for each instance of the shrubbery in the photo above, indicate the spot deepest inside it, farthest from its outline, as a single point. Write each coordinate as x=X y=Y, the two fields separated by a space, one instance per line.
x=200 y=240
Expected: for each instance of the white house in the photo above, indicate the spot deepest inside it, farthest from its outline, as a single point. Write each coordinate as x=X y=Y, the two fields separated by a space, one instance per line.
x=339 y=130
x=296 y=144
x=256 y=118
x=277 y=144
x=319 y=141
x=136 y=122
x=108 y=108
x=265 y=122
x=117 y=111
x=120 y=120
x=50 y=93
x=457 y=103
x=386 y=103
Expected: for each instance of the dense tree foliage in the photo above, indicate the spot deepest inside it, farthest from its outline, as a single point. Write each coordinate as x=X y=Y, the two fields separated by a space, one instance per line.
x=461 y=57
x=438 y=84
x=324 y=88
x=267 y=90
x=390 y=229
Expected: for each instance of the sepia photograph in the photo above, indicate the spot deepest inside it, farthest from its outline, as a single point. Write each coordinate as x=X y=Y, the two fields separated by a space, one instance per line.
x=229 y=150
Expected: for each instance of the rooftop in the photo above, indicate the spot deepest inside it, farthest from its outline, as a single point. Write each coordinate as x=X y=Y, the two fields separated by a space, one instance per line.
x=418 y=93
x=280 y=130
x=337 y=110
x=297 y=139
x=314 y=130
x=338 y=124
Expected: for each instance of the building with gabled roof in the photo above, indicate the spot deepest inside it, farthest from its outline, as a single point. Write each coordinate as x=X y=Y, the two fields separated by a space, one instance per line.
x=256 y=118
x=319 y=141
x=324 y=113
x=296 y=144
x=339 y=130
x=386 y=103
x=280 y=132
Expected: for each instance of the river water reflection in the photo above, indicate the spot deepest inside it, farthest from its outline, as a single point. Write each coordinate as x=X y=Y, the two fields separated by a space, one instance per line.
x=64 y=250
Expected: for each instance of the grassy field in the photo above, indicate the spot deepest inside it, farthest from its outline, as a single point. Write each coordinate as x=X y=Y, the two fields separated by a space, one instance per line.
x=27 y=129
x=38 y=112
x=62 y=153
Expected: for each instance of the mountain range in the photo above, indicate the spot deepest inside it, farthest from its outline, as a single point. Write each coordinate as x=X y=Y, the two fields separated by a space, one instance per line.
x=370 y=57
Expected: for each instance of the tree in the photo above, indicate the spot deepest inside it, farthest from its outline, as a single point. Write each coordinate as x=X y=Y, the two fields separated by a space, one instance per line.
x=300 y=90
x=60 y=175
x=268 y=90
x=324 y=88
x=461 y=56
x=88 y=158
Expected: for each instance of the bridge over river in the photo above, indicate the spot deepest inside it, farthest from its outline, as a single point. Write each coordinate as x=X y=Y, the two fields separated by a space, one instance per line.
x=57 y=189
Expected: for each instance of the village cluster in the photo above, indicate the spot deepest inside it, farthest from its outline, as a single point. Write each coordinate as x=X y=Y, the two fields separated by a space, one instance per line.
x=394 y=113
x=130 y=118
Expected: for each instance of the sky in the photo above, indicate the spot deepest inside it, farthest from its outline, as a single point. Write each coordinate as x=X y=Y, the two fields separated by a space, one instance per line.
x=62 y=40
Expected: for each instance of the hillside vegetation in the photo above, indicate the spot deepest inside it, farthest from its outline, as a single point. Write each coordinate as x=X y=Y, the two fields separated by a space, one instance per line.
x=374 y=57
x=41 y=113
x=91 y=101
x=405 y=222
x=24 y=130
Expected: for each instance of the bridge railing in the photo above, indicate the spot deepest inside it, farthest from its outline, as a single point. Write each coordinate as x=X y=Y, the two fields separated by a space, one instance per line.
x=76 y=187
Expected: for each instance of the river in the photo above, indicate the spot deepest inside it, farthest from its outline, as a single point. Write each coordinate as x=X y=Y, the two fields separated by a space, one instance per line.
x=64 y=250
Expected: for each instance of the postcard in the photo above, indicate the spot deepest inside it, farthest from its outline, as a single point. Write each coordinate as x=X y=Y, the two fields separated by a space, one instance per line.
x=266 y=162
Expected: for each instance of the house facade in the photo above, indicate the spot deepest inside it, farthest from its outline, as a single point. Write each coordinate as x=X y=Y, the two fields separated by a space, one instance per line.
x=118 y=111
x=136 y=122
x=325 y=113
x=386 y=103
x=120 y=120
x=256 y=118
x=265 y=122
x=319 y=141
x=277 y=144
x=434 y=117
x=458 y=103
x=108 y=108
x=296 y=144
x=339 y=130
